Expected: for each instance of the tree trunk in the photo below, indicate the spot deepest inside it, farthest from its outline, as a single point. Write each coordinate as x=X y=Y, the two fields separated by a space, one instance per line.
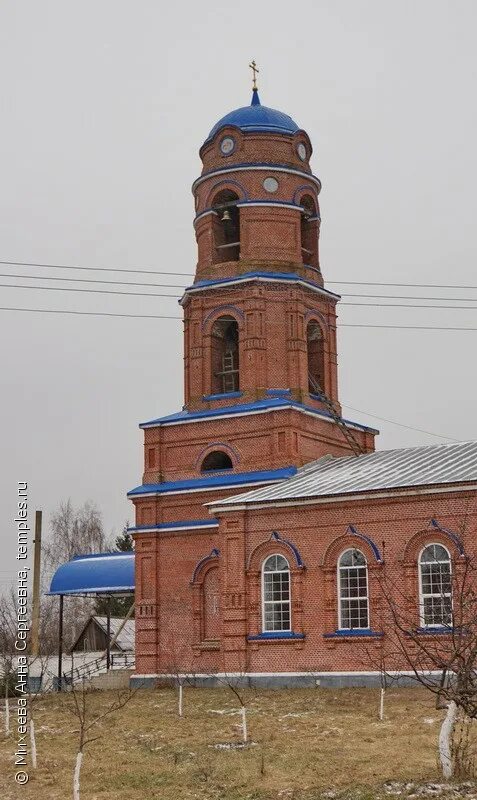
x=76 y=776
x=243 y=711
x=445 y=740
x=33 y=743
x=381 y=705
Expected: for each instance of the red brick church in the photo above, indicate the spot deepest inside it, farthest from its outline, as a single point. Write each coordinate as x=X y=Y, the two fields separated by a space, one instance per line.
x=264 y=519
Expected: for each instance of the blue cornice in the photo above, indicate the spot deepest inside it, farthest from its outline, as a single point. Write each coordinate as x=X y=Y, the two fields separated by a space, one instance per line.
x=253 y=166
x=214 y=481
x=275 y=635
x=187 y=523
x=285 y=277
x=257 y=407
x=354 y=632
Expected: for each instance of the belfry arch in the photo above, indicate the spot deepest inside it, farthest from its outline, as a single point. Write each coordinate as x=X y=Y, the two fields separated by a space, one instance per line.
x=315 y=349
x=226 y=227
x=309 y=231
x=225 y=361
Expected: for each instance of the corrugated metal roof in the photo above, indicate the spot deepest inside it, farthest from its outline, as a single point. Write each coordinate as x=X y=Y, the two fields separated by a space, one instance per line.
x=386 y=469
x=126 y=639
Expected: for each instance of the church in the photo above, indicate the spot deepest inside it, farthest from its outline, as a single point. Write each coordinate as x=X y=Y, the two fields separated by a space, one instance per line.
x=264 y=518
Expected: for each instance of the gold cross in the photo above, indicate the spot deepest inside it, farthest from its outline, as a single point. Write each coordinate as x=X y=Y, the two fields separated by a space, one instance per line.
x=255 y=70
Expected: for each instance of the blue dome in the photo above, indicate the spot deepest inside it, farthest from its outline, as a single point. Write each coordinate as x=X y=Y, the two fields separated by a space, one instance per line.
x=256 y=117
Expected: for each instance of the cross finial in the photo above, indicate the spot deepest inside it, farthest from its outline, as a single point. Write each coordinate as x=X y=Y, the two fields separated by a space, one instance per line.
x=255 y=70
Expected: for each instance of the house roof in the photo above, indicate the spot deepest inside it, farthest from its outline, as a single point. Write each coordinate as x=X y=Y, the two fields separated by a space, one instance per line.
x=329 y=476
x=126 y=639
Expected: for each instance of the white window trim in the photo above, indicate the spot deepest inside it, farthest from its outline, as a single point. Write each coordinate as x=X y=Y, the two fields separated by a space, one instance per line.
x=422 y=596
x=272 y=602
x=338 y=581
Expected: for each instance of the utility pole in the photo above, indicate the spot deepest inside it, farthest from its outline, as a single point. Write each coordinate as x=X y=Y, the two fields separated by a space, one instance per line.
x=35 y=622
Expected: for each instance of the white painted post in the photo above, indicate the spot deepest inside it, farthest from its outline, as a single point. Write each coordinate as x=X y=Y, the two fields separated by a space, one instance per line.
x=381 y=705
x=244 y=723
x=7 y=713
x=33 y=743
x=180 y=699
x=445 y=740
x=76 y=776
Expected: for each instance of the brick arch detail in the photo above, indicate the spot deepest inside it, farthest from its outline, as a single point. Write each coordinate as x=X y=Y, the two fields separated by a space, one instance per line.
x=204 y=565
x=352 y=539
x=316 y=316
x=302 y=191
x=274 y=544
x=234 y=186
x=221 y=447
x=219 y=311
x=431 y=535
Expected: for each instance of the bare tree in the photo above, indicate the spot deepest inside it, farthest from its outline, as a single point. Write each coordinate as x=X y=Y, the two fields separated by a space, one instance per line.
x=442 y=641
x=72 y=533
x=79 y=703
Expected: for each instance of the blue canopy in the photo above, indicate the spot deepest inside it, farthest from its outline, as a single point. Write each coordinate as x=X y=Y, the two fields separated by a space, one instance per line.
x=98 y=573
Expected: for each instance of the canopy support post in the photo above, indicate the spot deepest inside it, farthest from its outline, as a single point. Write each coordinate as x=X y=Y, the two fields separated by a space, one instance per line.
x=108 y=634
x=60 y=645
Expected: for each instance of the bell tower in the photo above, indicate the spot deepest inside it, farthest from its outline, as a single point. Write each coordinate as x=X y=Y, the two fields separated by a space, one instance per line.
x=260 y=365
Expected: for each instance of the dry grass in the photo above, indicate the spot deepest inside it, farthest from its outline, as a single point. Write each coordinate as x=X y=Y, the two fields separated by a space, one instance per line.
x=307 y=741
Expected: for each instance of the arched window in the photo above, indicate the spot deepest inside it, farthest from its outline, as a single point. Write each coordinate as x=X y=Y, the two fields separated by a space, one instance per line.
x=353 y=591
x=435 y=590
x=276 y=614
x=210 y=605
x=309 y=231
x=225 y=356
x=316 y=358
x=216 y=460
x=226 y=227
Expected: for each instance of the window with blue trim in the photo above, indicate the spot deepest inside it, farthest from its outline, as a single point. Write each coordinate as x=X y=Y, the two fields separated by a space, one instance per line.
x=353 y=598
x=276 y=606
x=435 y=590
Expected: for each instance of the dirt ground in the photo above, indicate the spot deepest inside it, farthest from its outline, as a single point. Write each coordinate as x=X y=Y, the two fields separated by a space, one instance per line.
x=305 y=744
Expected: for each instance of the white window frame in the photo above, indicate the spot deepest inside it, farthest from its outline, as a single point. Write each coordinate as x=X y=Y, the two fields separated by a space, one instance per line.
x=422 y=596
x=276 y=602
x=338 y=580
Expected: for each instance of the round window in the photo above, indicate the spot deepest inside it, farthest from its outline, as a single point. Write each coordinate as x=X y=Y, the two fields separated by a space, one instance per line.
x=301 y=150
x=270 y=185
x=227 y=145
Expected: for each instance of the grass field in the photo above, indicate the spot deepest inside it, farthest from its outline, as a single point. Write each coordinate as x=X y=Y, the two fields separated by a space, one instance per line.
x=307 y=744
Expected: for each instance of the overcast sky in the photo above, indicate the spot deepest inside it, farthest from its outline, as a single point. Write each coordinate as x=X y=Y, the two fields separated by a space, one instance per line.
x=105 y=104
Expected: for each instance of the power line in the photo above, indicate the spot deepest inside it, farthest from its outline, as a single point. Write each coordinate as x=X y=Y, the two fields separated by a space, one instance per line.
x=405 y=327
x=88 y=291
x=401 y=305
x=91 y=269
x=400 y=424
x=187 y=274
x=87 y=313
x=175 y=296
x=160 y=316
x=97 y=280
x=183 y=286
x=402 y=285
